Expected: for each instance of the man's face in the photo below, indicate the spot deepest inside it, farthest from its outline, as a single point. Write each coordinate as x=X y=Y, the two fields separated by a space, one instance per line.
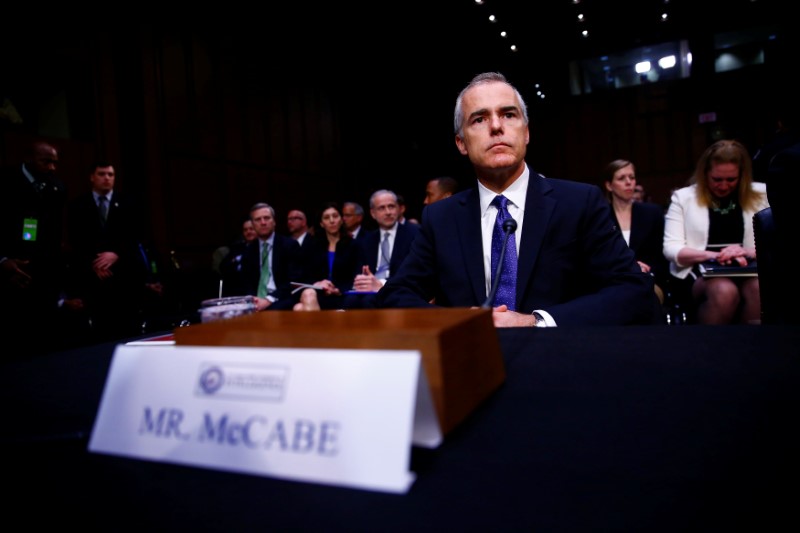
x=103 y=179
x=296 y=222
x=264 y=222
x=351 y=219
x=433 y=193
x=385 y=211
x=45 y=162
x=495 y=134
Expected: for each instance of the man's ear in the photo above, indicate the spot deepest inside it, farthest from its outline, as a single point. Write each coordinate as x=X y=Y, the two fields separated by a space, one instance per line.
x=461 y=145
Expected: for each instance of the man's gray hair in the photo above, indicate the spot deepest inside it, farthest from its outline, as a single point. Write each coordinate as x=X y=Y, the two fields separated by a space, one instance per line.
x=480 y=79
x=261 y=205
x=378 y=193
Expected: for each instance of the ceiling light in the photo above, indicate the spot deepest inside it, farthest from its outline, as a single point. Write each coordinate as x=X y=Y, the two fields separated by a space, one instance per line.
x=667 y=62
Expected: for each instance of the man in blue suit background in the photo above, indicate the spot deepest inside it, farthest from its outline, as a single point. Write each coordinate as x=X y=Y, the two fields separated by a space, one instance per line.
x=573 y=268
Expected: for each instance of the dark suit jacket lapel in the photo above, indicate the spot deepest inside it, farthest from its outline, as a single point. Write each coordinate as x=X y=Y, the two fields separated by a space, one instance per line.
x=113 y=205
x=371 y=241
x=397 y=250
x=279 y=271
x=468 y=216
x=538 y=210
x=402 y=245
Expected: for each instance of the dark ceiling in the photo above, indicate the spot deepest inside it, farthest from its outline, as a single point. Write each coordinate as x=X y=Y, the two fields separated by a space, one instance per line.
x=449 y=36
x=438 y=34
x=441 y=42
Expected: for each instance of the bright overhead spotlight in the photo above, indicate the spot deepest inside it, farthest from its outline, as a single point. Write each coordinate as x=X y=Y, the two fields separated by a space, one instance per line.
x=492 y=18
x=585 y=33
x=642 y=67
x=513 y=47
x=667 y=62
x=503 y=34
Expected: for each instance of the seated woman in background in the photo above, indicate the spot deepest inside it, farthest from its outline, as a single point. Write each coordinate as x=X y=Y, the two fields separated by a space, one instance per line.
x=712 y=218
x=641 y=223
x=333 y=259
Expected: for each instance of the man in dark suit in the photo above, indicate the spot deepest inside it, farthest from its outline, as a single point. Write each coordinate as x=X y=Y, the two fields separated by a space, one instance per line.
x=353 y=216
x=32 y=203
x=380 y=251
x=385 y=209
x=103 y=229
x=270 y=279
x=777 y=227
x=297 y=225
x=573 y=267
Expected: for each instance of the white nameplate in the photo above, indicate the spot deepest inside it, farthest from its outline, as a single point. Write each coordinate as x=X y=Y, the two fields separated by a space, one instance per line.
x=338 y=417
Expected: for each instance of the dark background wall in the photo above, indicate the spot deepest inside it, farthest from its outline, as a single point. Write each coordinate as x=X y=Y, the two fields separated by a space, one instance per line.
x=205 y=117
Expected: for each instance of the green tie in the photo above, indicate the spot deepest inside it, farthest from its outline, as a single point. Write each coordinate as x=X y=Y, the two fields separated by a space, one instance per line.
x=262 y=282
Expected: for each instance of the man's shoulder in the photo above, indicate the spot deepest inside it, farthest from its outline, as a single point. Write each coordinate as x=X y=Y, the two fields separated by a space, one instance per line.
x=561 y=185
x=789 y=155
x=10 y=171
x=11 y=178
x=368 y=234
x=285 y=241
x=82 y=199
x=308 y=241
x=408 y=228
x=447 y=205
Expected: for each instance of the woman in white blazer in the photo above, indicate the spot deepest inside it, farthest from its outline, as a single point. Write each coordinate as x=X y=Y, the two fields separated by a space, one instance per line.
x=713 y=219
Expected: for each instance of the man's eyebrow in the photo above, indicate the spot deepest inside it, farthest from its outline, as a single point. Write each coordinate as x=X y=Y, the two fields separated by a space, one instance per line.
x=485 y=111
x=478 y=112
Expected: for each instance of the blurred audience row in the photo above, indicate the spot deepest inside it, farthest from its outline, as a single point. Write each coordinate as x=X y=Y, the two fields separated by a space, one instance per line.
x=103 y=281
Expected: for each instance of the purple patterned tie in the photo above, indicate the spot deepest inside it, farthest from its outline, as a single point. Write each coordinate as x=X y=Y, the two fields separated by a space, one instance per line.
x=507 y=289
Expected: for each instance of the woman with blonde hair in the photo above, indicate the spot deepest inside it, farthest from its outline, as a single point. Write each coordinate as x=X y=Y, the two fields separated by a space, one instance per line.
x=712 y=219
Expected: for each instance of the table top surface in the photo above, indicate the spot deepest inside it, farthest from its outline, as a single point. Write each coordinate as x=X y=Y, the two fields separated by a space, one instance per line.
x=649 y=428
